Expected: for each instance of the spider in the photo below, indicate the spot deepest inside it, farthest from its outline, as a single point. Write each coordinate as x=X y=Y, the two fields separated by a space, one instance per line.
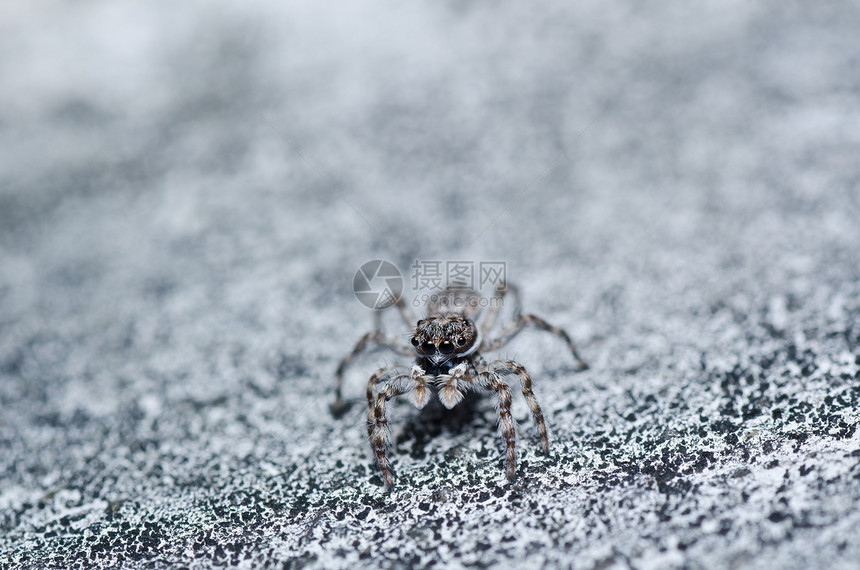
x=447 y=346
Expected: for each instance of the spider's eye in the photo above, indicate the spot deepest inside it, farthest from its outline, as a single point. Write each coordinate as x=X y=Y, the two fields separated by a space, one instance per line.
x=415 y=341
x=446 y=347
x=428 y=347
x=459 y=341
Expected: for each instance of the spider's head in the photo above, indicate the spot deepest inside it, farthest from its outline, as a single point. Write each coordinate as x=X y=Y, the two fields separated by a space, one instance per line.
x=443 y=337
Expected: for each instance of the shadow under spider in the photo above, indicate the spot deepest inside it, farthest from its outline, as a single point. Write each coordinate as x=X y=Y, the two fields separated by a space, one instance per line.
x=434 y=418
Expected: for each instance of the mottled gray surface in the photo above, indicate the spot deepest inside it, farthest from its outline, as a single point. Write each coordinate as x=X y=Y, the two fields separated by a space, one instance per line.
x=186 y=191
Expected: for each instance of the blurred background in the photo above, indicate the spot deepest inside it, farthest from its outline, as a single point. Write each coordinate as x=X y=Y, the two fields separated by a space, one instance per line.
x=186 y=192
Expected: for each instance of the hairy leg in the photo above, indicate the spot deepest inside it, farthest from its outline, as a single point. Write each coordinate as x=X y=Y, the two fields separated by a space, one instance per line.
x=381 y=375
x=510 y=367
x=375 y=337
x=378 y=424
x=417 y=388
x=521 y=322
x=492 y=381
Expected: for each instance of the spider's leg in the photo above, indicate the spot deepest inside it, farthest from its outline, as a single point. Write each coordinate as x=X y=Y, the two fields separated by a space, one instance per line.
x=384 y=374
x=378 y=423
x=417 y=389
x=378 y=337
x=521 y=322
x=489 y=319
x=491 y=381
x=511 y=367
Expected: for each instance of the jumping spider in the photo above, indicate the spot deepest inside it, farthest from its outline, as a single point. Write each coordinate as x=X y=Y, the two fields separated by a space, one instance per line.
x=446 y=345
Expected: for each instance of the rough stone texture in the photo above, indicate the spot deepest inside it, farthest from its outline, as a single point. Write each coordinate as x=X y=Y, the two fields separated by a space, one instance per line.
x=186 y=191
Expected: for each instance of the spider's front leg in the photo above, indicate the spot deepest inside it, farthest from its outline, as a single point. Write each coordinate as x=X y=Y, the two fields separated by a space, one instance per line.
x=394 y=383
x=502 y=367
x=383 y=375
x=490 y=380
x=418 y=389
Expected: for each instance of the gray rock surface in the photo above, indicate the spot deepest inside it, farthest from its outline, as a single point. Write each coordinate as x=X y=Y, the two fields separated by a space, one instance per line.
x=187 y=190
